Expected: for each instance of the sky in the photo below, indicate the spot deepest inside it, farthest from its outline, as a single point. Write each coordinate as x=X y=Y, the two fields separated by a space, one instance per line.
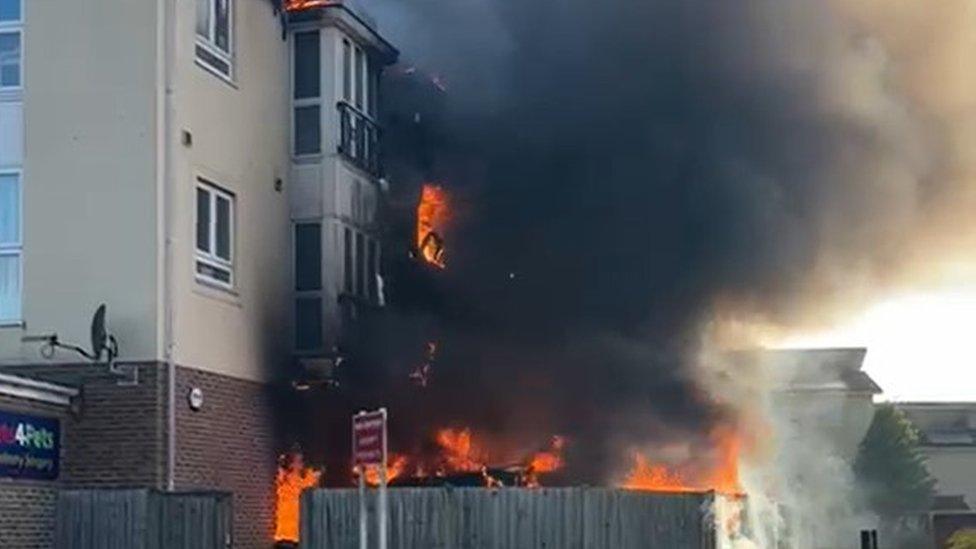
x=921 y=344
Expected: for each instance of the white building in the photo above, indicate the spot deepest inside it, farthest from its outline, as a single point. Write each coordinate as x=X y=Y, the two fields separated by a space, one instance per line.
x=209 y=170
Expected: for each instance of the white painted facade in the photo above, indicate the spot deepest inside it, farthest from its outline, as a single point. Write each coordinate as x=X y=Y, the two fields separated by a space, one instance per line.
x=112 y=129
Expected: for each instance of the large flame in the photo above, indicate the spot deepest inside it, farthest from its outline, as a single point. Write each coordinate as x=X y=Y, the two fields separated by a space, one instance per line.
x=396 y=465
x=458 y=451
x=721 y=474
x=292 y=479
x=432 y=216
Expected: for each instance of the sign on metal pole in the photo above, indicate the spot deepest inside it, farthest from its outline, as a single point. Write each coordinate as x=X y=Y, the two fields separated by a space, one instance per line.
x=369 y=449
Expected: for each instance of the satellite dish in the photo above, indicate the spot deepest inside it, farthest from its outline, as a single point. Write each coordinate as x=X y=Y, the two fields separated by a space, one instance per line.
x=99 y=337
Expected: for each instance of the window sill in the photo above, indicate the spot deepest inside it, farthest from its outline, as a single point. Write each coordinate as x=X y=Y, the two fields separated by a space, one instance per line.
x=229 y=80
x=214 y=290
x=12 y=324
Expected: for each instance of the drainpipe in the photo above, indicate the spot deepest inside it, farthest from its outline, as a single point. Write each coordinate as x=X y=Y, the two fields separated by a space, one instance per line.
x=165 y=46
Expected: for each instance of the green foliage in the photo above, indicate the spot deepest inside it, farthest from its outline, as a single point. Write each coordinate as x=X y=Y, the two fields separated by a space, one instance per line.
x=963 y=539
x=891 y=468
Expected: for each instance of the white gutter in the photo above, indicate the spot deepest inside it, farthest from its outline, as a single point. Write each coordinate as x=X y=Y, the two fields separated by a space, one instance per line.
x=165 y=47
x=40 y=391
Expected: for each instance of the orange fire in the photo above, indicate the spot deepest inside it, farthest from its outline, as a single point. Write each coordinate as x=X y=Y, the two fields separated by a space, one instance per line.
x=722 y=476
x=298 y=5
x=545 y=462
x=292 y=479
x=432 y=217
x=397 y=464
x=458 y=451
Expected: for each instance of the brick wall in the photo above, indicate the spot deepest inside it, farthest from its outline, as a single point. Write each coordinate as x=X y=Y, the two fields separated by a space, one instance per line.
x=229 y=444
x=27 y=506
x=118 y=437
x=26 y=514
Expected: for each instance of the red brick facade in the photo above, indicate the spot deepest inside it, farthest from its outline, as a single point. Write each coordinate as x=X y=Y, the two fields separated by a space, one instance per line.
x=229 y=444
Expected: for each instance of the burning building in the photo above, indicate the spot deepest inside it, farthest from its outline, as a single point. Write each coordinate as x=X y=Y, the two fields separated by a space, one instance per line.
x=223 y=187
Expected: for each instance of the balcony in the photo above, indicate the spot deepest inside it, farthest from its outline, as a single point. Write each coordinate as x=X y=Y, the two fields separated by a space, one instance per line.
x=359 y=138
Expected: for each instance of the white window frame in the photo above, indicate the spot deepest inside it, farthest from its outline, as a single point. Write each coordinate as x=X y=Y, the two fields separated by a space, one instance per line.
x=305 y=102
x=209 y=42
x=16 y=27
x=210 y=258
x=16 y=249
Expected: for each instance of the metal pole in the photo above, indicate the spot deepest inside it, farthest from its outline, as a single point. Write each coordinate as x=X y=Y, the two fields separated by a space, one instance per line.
x=383 y=499
x=363 y=534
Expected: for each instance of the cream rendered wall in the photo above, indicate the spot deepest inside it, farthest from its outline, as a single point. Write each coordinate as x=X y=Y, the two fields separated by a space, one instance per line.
x=89 y=188
x=241 y=142
x=954 y=469
x=836 y=418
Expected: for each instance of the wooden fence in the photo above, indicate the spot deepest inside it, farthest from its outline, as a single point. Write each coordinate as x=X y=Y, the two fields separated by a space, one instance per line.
x=143 y=519
x=515 y=518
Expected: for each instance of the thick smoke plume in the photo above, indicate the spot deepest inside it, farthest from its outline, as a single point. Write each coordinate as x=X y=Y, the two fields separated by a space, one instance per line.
x=629 y=175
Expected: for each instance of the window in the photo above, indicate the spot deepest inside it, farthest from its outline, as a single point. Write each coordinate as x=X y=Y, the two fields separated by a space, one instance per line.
x=346 y=70
x=308 y=323
x=360 y=77
x=10 y=247
x=347 y=259
x=372 y=269
x=11 y=44
x=307 y=73
x=308 y=257
x=215 y=35
x=306 y=94
x=214 y=235
x=357 y=79
x=360 y=264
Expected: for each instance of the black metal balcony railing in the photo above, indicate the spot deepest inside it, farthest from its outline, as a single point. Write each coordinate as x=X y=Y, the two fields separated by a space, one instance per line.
x=359 y=139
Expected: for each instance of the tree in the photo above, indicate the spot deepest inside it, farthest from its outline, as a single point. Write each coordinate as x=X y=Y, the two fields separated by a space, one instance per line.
x=891 y=468
x=963 y=539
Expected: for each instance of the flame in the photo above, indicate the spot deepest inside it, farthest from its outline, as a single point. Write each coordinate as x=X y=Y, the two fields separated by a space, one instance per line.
x=298 y=5
x=432 y=215
x=458 y=452
x=545 y=462
x=292 y=479
x=722 y=476
x=396 y=465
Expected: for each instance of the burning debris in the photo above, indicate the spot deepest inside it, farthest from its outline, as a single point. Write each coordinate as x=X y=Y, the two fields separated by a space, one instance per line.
x=292 y=479
x=432 y=216
x=719 y=472
x=458 y=459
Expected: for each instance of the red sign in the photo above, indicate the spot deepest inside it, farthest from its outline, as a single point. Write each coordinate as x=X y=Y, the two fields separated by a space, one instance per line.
x=368 y=438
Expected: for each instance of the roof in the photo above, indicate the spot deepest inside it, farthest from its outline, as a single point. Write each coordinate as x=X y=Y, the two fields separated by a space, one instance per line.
x=950 y=503
x=945 y=424
x=347 y=15
x=32 y=389
x=834 y=369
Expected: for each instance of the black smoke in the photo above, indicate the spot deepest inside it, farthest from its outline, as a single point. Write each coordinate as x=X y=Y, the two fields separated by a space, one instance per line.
x=619 y=169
